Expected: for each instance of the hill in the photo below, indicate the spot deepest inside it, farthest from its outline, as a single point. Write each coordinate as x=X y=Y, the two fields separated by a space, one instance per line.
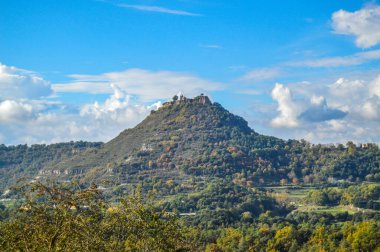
x=24 y=162
x=190 y=140
x=184 y=137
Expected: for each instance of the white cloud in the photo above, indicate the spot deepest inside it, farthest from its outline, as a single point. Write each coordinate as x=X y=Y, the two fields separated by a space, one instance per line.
x=212 y=46
x=339 y=61
x=118 y=108
x=22 y=111
x=146 y=85
x=83 y=87
x=158 y=9
x=12 y=111
x=375 y=86
x=93 y=122
x=319 y=111
x=359 y=98
x=261 y=74
x=248 y=92
x=54 y=127
x=286 y=106
x=346 y=88
x=318 y=100
x=310 y=137
x=352 y=112
x=336 y=125
x=371 y=108
x=17 y=83
x=39 y=121
x=364 y=24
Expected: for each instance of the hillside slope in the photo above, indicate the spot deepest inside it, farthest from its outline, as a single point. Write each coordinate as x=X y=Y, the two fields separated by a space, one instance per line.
x=185 y=136
x=25 y=162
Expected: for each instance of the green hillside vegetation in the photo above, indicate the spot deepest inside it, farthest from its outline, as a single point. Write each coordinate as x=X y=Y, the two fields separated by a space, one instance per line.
x=62 y=217
x=186 y=137
x=22 y=161
x=57 y=218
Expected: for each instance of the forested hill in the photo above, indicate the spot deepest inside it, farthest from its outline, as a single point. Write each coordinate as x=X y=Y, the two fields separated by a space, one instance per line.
x=184 y=137
x=24 y=162
x=190 y=138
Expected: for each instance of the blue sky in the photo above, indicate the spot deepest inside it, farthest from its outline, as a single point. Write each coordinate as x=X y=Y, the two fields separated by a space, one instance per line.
x=87 y=69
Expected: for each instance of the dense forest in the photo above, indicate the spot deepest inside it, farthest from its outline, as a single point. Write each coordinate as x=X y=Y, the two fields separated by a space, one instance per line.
x=25 y=162
x=58 y=217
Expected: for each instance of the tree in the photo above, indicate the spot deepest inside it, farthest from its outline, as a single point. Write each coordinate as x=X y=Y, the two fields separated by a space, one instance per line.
x=351 y=147
x=246 y=216
x=230 y=240
x=283 y=239
x=366 y=236
x=59 y=218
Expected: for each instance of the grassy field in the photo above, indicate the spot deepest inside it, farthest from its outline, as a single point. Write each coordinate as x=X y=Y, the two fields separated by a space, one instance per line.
x=296 y=194
x=289 y=194
x=333 y=209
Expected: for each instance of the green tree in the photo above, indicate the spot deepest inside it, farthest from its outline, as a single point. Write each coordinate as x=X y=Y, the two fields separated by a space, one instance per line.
x=230 y=239
x=283 y=239
x=365 y=237
x=58 y=218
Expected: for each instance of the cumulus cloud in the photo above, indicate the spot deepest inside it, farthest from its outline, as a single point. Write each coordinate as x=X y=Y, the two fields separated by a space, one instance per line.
x=53 y=127
x=371 y=108
x=346 y=88
x=364 y=24
x=375 y=86
x=286 y=106
x=12 y=111
x=118 y=108
x=295 y=114
x=319 y=111
x=336 y=125
x=39 y=121
x=344 y=110
x=17 y=83
x=92 y=122
x=146 y=85
x=360 y=98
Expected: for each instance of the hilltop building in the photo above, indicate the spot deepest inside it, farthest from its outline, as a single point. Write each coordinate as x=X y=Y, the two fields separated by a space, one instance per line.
x=181 y=99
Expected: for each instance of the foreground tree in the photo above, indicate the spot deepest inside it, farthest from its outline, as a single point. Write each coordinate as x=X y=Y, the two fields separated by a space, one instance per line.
x=57 y=218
